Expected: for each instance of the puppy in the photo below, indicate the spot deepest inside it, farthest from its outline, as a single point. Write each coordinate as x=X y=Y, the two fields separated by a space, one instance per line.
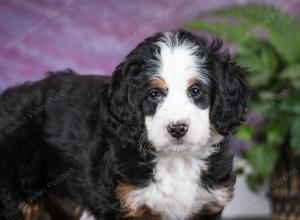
x=147 y=143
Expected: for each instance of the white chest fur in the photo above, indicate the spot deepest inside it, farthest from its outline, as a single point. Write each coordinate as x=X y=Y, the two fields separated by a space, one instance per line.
x=176 y=192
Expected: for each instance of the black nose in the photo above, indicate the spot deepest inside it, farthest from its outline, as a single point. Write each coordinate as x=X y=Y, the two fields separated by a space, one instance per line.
x=177 y=130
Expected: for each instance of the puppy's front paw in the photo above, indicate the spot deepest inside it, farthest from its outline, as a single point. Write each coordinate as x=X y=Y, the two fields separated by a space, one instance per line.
x=31 y=211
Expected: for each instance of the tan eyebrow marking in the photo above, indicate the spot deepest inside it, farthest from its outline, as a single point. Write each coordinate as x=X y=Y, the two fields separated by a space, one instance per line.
x=159 y=83
x=192 y=81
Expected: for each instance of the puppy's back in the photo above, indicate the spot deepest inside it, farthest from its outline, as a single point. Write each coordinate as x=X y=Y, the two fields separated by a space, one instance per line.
x=36 y=119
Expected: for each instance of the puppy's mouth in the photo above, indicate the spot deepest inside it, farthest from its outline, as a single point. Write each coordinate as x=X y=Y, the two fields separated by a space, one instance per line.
x=182 y=145
x=177 y=148
x=175 y=141
x=178 y=145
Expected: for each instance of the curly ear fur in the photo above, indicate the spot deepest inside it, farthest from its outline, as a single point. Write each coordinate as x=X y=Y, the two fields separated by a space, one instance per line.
x=228 y=110
x=123 y=107
x=126 y=123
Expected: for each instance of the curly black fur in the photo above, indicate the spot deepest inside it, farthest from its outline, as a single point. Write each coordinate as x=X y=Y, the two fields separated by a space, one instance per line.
x=77 y=137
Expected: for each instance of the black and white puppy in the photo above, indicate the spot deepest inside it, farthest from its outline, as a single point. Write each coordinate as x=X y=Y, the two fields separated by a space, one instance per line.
x=147 y=143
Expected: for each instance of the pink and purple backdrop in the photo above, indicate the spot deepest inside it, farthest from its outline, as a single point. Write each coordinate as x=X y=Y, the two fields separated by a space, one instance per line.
x=88 y=36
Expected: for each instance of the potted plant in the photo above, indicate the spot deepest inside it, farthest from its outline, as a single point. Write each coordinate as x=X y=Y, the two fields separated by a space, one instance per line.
x=266 y=40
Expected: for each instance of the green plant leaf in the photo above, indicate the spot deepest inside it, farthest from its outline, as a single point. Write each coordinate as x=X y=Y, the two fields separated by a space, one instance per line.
x=291 y=103
x=266 y=95
x=287 y=44
x=245 y=133
x=295 y=136
x=281 y=29
x=268 y=59
x=235 y=34
x=269 y=110
x=291 y=72
x=264 y=21
x=261 y=60
x=249 y=14
x=296 y=84
x=262 y=158
x=276 y=132
x=257 y=76
x=254 y=181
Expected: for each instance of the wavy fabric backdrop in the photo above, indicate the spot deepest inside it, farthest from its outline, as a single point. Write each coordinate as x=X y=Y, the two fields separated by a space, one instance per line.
x=90 y=37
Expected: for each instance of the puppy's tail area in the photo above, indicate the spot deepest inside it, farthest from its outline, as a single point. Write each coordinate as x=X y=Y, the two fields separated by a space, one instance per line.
x=22 y=111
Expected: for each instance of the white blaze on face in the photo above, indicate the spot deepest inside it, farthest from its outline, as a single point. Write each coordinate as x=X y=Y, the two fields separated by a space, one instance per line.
x=178 y=65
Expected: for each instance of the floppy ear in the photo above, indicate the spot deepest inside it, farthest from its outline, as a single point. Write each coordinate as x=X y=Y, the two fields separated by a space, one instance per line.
x=125 y=115
x=228 y=109
x=126 y=123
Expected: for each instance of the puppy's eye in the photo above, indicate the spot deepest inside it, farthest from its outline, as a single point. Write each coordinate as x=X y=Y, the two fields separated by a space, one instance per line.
x=195 y=92
x=155 y=95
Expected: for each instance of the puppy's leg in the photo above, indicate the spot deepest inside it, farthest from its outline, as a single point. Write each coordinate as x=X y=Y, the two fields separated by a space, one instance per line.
x=32 y=211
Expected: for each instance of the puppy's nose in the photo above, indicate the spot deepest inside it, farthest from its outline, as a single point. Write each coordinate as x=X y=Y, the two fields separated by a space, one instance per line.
x=177 y=130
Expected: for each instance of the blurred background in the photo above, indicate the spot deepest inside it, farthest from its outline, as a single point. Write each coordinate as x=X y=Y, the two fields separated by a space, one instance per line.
x=92 y=37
